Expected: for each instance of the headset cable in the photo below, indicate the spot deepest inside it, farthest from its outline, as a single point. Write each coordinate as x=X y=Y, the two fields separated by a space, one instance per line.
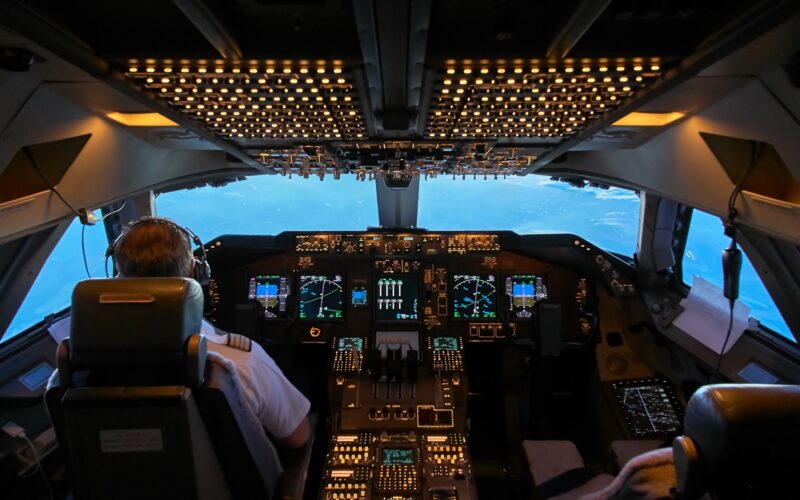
x=732 y=256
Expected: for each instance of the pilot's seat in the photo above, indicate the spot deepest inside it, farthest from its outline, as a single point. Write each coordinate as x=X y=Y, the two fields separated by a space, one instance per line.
x=139 y=409
x=740 y=442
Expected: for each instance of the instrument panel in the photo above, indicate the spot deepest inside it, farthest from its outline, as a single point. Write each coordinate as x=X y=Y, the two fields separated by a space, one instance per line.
x=395 y=311
x=312 y=287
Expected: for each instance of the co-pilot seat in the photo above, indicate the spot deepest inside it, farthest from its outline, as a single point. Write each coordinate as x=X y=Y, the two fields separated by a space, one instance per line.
x=139 y=412
x=740 y=441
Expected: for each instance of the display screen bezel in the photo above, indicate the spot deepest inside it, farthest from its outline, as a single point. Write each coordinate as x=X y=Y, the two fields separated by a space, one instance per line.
x=546 y=284
x=451 y=299
x=329 y=277
x=417 y=281
x=285 y=314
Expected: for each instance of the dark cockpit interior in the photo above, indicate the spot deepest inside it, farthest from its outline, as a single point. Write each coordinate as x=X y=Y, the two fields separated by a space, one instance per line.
x=497 y=356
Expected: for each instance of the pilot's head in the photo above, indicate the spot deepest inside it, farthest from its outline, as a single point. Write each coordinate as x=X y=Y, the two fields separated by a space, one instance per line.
x=154 y=247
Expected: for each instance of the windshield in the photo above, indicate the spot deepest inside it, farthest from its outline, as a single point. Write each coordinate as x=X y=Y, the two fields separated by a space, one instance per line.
x=52 y=290
x=270 y=204
x=702 y=258
x=609 y=218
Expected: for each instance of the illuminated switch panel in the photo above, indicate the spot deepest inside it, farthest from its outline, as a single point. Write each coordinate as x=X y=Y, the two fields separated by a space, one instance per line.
x=400 y=479
x=314 y=243
x=349 y=454
x=489 y=330
x=447 y=353
x=348 y=354
x=501 y=98
x=346 y=483
x=444 y=453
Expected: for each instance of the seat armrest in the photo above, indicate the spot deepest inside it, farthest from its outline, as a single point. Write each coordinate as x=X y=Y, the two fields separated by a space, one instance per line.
x=295 y=465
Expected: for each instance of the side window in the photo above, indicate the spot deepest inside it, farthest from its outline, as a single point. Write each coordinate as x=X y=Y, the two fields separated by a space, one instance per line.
x=703 y=258
x=52 y=290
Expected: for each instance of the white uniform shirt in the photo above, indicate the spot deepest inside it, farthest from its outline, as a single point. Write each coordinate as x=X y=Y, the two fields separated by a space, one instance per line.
x=273 y=399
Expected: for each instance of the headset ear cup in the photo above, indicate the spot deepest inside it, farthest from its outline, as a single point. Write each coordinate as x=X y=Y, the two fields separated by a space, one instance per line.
x=202 y=272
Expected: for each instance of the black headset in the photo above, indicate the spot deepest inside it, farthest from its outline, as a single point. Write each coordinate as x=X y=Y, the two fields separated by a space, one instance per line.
x=202 y=270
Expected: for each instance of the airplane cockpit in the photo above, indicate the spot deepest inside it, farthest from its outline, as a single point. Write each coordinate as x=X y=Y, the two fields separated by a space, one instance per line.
x=503 y=248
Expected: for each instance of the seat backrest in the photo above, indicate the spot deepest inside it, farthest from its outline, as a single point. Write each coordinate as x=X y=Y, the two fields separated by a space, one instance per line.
x=740 y=441
x=126 y=408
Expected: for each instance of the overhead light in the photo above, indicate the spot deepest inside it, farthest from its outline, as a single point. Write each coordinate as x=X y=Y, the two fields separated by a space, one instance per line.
x=549 y=102
x=637 y=119
x=142 y=119
x=231 y=103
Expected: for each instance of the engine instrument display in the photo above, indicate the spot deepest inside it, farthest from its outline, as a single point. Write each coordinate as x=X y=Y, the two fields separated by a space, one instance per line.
x=397 y=298
x=474 y=296
x=271 y=292
x=398 y=456
x=649 y=407
x=445 y=344
x=525 y=291
x=321 y=297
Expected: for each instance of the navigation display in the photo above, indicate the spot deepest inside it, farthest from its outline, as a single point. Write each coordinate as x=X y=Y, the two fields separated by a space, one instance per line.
x=649 y=407
x=270 y=291
x=348 y=343
x=398 y=456
x=525 y=291
x=445 y=344
x=397 y=298
x=474 y=296
x=321 y=297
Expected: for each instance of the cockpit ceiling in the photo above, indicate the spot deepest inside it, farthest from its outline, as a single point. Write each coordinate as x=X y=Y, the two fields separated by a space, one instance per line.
x=247 y=101
x=329 y=86
x=531 y=99
x=262 y=105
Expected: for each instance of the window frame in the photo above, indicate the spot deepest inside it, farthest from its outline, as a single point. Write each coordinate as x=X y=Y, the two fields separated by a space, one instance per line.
x=764 y=333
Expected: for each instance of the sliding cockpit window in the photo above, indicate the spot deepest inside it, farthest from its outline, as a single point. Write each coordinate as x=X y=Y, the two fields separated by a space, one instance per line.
x=532 y=204
x=702 y=259
x=270 y=204
x=52 y=290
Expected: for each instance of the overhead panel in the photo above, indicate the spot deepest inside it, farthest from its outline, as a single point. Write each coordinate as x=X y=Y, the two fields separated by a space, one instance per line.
x=250 y=102
x=531 y=99
x=398 y=160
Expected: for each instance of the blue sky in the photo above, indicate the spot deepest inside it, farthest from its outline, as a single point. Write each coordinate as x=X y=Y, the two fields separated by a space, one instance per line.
x=270 y=204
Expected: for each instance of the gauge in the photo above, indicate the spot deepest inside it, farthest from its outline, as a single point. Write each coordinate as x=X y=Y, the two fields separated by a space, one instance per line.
x=474 y=296
x=321 y=296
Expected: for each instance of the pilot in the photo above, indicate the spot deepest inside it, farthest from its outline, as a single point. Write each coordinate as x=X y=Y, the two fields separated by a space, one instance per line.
x=158 y=247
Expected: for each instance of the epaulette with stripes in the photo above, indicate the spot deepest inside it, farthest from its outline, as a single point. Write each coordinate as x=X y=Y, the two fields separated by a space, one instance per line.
x=239 y=342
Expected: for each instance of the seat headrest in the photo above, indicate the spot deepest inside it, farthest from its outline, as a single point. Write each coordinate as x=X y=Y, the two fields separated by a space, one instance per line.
x=746 y=432
x=133 y=321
